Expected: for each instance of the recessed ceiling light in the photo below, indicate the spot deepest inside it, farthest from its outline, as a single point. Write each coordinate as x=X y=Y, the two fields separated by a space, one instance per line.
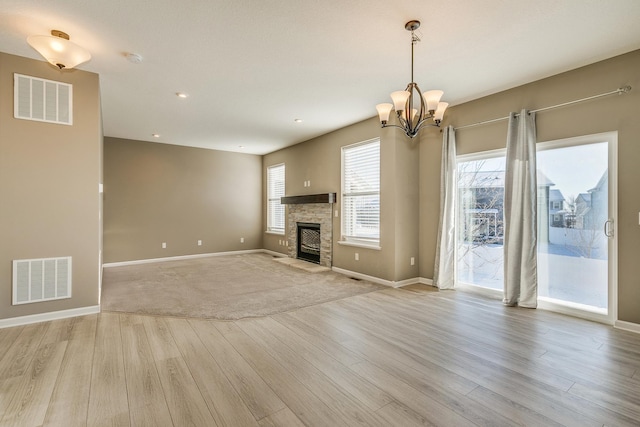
x=181 y=95
x=297 y=120
x=155 y=135
x=241 y=146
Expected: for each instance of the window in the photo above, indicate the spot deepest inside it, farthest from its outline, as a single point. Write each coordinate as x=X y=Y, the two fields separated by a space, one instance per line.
x=361 y=192
x=275 y=190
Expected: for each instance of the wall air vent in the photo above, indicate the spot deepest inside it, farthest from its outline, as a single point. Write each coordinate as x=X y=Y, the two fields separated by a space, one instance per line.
x=45 y=279
x=42 y=100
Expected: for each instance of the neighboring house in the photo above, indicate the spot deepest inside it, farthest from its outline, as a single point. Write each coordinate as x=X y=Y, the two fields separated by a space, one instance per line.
x=584 y=222
x=583 y=206
x=482 y=207
x=482 y=196
x=592 y=207
x=557 y=212
x=544 y=196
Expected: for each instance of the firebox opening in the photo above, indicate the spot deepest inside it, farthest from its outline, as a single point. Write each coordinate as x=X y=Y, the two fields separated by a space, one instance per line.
x=309 y=242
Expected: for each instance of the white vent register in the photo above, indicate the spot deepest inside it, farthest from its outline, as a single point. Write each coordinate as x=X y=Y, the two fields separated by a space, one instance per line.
x=42 y=100
x=44 y=279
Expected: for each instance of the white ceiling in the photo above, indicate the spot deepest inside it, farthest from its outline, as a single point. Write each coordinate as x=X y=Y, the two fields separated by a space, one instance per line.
x=253 y=66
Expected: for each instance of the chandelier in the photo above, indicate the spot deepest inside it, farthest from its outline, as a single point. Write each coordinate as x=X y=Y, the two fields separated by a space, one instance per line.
x=58 y=50
x=414 y=109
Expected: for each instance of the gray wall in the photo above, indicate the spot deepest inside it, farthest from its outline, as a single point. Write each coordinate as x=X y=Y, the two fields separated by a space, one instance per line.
x=49 y=176
x=155 y=193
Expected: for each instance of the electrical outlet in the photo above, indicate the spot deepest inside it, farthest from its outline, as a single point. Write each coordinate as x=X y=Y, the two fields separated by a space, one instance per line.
x=413 y=261
x=199 y=242
x=242 y=240
x=164 y=245
x=286 y=243
x=336 y=213
x=357 y=256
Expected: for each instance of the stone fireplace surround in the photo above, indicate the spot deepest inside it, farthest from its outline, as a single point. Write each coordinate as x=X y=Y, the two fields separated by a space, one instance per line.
x=316 y=209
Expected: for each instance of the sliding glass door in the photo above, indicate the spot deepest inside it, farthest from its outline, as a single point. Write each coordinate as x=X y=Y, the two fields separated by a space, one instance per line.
x=576 y=226
x=576 y=223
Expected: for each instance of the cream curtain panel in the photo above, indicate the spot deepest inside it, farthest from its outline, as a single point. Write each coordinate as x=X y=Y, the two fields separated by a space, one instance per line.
x=444 y=269
x=520 y=207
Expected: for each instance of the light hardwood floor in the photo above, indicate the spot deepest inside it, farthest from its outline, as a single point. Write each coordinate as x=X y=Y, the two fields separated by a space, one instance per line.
x=396 y=357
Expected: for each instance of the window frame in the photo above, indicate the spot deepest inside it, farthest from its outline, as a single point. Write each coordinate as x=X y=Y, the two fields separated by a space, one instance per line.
x=274 y=228
x=358 y=240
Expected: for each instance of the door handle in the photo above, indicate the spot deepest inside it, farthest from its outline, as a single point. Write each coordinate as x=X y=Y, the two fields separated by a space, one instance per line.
x=608 y=228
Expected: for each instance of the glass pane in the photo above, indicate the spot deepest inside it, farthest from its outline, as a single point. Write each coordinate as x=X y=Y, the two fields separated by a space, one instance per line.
x=572 y=210
x=362 y=216
x=480 y=259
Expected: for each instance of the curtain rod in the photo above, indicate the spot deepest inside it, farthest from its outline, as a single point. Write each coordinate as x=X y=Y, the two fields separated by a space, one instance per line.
x=620 y=90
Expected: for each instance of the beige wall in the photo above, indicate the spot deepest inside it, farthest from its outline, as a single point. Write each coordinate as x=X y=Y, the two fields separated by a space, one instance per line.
x=155 y=193
x=613 y=113
x=49 y=176
x=409 y=214
x=319 y=160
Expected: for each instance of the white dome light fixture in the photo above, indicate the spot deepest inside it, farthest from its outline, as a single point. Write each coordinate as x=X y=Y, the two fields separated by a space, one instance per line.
x=58 y=50
x=425 y=110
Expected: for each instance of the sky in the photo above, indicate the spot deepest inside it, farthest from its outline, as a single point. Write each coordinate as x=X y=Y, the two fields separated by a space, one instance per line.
x=576 y=169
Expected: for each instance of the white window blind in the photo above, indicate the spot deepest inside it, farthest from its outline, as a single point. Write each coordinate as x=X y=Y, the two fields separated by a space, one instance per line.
x=361 y=192
x=275 y=190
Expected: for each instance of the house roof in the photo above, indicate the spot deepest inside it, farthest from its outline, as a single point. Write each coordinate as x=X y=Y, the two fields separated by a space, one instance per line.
x=585 y=196
x=481 y=179
x=494 y=179
x=252 y=67
x=556 y=196
x=602 y=182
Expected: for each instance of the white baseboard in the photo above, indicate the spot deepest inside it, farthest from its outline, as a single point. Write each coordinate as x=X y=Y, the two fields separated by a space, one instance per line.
x=183 y=257
x=45 y=317
x=378 y=280
x=362 y=276
x=406 y=282
x=425 y=281
x=627 y=326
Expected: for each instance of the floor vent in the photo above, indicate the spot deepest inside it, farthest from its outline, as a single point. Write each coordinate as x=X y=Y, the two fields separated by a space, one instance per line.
x=36 y=280
x=42 y=100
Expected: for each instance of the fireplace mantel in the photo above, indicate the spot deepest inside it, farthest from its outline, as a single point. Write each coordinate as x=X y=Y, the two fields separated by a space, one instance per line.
x=309 y=198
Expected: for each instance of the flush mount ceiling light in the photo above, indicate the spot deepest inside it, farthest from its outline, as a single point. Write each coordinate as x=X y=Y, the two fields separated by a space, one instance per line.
x=58 y=50
x=414 y=110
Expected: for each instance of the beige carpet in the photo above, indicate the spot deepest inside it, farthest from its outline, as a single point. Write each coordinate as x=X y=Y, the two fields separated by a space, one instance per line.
x=226 y=287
